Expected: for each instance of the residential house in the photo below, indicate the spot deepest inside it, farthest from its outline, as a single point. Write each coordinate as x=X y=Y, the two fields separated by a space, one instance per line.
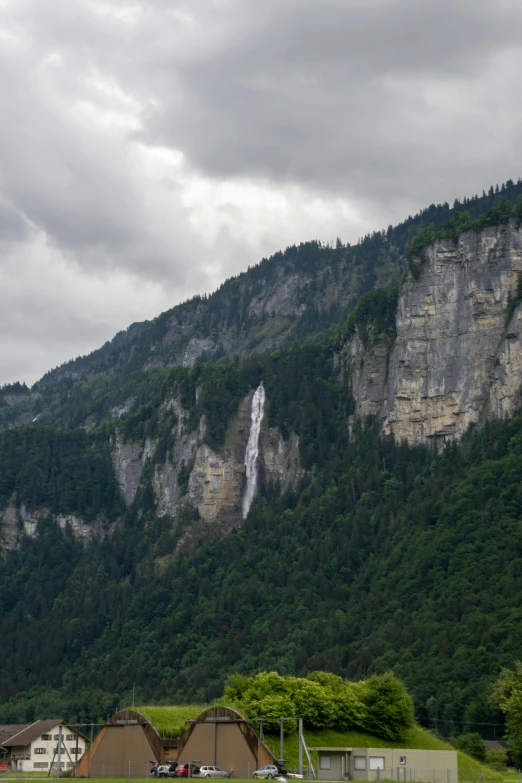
x=28 y=747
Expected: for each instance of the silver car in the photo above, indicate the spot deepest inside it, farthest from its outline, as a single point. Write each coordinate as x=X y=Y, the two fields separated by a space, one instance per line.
x=269 y=771
x=211 y=772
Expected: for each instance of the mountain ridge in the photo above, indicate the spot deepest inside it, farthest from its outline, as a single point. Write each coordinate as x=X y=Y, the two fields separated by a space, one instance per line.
x=367 y=254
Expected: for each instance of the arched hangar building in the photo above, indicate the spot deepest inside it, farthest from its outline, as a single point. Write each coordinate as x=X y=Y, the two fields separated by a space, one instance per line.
x=128 y=742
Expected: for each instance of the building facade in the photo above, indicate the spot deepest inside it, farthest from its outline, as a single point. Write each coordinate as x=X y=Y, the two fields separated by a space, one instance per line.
x=34 y=746
x=398 y=764
x=128 y=743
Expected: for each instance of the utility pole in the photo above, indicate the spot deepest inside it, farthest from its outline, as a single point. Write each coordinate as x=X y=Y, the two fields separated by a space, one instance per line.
x=59 y=751
x=133 y=684
x=300 y=739
x=282 y=741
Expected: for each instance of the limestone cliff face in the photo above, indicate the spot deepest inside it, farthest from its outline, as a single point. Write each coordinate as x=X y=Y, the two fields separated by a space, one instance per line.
x=10 y=528
x=455 y=359
x=280 y=458
x=193 y=476
x=18 y=522
x=506 y=386
x=215 y=487
x=365 y=362
x=216 y=482
x=128 y=459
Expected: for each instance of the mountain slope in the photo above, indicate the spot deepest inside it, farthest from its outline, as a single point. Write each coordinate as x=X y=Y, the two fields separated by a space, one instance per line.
x=289 y=295
x=365 y=548
x=389 y=557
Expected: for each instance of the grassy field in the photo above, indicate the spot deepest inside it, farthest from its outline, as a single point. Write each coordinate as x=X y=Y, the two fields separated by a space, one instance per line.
x=509 y=776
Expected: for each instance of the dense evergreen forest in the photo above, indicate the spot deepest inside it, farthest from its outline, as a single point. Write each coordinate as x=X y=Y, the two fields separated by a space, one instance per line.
x=389 y=557
x=384 y=557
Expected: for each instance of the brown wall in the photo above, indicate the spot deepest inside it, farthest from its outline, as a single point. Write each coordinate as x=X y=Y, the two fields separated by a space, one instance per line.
x=222 y=744
x=119 y=746
x=264 y=756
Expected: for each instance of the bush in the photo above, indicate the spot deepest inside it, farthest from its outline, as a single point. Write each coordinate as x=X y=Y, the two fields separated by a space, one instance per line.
x=313 y=703
x=496 y=759
x=471 y=744
x=388 y=706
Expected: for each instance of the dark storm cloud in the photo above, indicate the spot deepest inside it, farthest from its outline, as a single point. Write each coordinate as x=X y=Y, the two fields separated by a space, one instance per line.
x=308 y=91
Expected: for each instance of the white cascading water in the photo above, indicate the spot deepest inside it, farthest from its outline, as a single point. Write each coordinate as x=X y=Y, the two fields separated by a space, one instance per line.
x=252 y=449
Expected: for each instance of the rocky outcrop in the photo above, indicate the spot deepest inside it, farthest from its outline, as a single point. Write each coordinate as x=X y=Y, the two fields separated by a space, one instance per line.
x=215 y=487
x=217 y=481
x=166 y=478
x=80 y=529
x=455 y=359
x=10 y=528
x=365 y=362
x=121 y=410
x=128 y=459
x=192 y=475
x=280 y=459
x=17 y=523
x=506 y=386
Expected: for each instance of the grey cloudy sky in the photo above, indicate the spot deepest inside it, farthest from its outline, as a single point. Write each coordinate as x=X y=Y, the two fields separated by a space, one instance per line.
x=150 y=149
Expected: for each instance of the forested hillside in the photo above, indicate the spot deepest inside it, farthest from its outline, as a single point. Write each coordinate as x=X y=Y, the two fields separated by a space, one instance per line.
x=373 y=555
x=388 y=557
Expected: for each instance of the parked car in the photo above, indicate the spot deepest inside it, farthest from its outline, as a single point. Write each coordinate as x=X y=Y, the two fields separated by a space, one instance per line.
x=164 y=770
x=207 y=771
x=188 y=770
x=269 y=771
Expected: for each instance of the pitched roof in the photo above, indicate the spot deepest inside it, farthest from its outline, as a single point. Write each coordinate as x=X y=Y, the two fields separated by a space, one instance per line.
x=493 y=745
x=28 y=733
x=8 y=730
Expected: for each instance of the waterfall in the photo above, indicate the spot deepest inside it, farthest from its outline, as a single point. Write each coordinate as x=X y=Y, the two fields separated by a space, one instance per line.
x=252 y=449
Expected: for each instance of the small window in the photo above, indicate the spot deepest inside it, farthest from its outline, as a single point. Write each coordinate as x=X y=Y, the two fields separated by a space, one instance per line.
x=70 y=737
x=40 y=764
x=376 y=762
x=325 y=762
x=402 y=759
x=40 y=751
x=359 y=762
x=47 y=737
x=56 y=736
x=74 y=751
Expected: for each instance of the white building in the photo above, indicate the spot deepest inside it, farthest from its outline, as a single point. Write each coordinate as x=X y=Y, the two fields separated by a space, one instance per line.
x=34 y=746
x=378 y=764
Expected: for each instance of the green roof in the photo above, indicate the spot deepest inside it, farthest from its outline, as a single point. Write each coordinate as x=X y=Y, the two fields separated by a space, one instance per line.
x=170 y=721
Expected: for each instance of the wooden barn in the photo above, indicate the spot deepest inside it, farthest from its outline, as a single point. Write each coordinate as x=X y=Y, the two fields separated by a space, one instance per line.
x=129 y=742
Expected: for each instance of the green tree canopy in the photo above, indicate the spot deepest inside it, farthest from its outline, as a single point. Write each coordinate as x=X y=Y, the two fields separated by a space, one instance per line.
x=507 y=694
x=324 y=701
